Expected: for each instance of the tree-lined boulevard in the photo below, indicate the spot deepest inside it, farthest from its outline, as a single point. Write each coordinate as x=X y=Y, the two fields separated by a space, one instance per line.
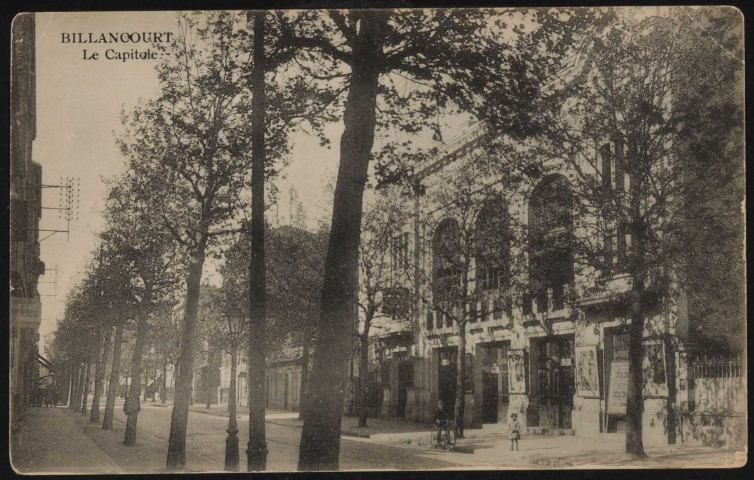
x=203 y=156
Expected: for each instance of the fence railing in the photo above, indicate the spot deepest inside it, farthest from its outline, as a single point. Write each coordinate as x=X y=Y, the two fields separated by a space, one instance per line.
x=717 y=366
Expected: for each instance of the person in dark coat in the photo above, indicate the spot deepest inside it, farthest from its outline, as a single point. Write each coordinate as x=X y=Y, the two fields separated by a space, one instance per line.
x=441 y=415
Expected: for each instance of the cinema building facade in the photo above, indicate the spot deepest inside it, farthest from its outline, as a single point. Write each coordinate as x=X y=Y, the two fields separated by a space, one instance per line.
x=541 y=341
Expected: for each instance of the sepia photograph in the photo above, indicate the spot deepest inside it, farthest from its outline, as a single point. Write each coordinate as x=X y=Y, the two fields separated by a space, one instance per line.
x=377 y=239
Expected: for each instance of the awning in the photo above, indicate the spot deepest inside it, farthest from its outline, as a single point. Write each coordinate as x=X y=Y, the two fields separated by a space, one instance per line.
x=44 y=362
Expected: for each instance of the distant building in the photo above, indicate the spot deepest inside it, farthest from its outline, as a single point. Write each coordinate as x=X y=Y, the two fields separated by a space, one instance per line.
x=25 y=212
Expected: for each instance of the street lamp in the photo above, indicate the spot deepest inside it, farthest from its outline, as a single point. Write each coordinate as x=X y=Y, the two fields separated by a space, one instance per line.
x=236 y=322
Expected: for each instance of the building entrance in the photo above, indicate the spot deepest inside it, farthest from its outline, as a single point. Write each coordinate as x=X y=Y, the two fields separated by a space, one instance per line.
x=448 y=370
x=494 y=365
x=555 y=381
x=405 y=379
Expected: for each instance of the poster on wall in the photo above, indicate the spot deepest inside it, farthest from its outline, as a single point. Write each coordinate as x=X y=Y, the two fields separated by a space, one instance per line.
x=587 y=377
x=655 y=373
x=517 y=368
x=616 y=398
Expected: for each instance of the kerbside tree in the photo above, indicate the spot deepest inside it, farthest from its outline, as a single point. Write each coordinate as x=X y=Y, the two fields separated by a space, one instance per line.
x=295 y=259
x=190 y=151
x=486 y=63
x=648 y=128
x=165 y=339
x=152 y=264
x=187 y=152
x=120 y=309
x=382 y=243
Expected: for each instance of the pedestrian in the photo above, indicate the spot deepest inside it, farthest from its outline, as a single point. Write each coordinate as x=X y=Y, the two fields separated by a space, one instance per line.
x=441 y=416
x=514 y=428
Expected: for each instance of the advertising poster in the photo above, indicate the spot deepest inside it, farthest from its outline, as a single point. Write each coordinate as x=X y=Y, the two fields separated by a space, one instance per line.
x=587 y=377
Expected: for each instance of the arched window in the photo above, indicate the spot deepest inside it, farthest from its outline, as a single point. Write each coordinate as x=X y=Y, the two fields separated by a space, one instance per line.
x=446 y=253
x=492 y=245
x=550 y=251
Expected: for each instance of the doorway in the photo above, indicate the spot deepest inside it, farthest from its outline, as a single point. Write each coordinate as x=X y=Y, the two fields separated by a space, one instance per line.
x=448 y=371
x=555 y=377
x=489 y=397
x=494 y=364
x=405 y=380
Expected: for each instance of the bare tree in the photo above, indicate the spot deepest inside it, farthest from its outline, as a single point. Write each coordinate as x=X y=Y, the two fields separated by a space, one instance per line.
x=383 y=246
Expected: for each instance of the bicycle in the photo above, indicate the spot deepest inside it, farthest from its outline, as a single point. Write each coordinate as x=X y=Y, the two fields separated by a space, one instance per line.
x=446 y=431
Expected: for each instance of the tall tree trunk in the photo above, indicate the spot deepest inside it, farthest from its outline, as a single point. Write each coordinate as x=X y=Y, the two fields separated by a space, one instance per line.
x=72 y=385
x=671 y=379
x=320 y=438
x=256 y=454
x=207 y=384
x=460 y=406
x=364 y=376
x=303 y=395
x=154 y=384
x=79 y=388
x=634 y=400
x=87 y=375
x=112 y=390
x=176 y=458
x=132 y=402
x=164 y=386
x=99 y=376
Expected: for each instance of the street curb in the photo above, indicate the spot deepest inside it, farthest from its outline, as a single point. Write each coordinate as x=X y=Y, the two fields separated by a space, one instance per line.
x=351 y=434
x=273 y=422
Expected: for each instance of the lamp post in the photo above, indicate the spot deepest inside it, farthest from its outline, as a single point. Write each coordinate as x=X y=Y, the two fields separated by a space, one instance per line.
x=236 y=323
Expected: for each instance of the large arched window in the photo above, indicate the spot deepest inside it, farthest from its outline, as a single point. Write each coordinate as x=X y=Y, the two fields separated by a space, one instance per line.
x=492 y=245
x=550 y=251
x=446 y=261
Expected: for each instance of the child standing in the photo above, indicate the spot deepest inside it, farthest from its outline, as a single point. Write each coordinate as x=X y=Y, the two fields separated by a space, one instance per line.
x=515 y=430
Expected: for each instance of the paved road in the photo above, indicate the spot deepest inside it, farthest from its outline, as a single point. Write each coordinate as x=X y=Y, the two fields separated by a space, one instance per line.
x=206 y=445
x=60 y=440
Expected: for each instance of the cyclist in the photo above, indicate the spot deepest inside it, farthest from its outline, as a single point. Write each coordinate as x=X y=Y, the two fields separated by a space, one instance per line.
x=441 y=415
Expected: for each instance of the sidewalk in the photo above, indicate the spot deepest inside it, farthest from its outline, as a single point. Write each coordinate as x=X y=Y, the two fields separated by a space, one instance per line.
x=490 y=447
x=377 y=428
x=241 y=412
x=49 y=441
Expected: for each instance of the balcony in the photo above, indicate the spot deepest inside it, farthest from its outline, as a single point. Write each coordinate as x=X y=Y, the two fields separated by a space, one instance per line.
x=393 y=332
x=396 y=302
x=610 y=290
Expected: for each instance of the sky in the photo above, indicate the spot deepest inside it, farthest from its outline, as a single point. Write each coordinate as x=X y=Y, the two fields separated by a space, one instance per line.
x=79 y=102
x=78 y=116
